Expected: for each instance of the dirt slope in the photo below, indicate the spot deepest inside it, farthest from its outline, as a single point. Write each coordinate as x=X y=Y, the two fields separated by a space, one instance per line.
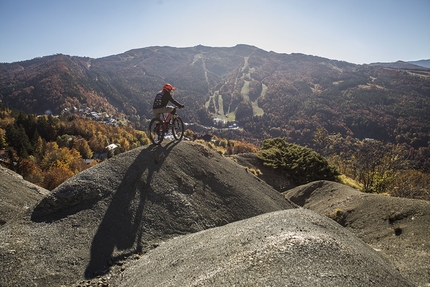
x=294 y=247
x=277 y=179
x=17 y=196
x=398 y=228
x=125 y=206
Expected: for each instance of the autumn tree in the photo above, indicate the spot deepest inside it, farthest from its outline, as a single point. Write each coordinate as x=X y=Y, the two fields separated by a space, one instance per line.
x=189 y=133
x=57 y=156
x=98 y=142
x=237 y=147
x=30 y=171
x=82 y=146
x=142 y=138
x=372 y=163
x=124 y=145
x=2 y=139
x=37 y=143
x=55 y=175
x=45 y=147
x=410 y=184
x=244 y=110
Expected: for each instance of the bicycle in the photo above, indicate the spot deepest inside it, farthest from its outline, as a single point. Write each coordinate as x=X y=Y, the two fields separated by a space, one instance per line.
x=159 y=128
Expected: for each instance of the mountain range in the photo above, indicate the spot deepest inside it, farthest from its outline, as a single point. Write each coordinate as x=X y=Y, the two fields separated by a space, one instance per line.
x=181 y=214
x=411 y=65
x=266 y=93
x=422 y=63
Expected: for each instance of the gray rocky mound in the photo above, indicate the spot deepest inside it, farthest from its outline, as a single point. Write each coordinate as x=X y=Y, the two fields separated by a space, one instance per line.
x=126 y=206
x=295 y=247
x=399 y=228
x=17 y=196
x=189 y=213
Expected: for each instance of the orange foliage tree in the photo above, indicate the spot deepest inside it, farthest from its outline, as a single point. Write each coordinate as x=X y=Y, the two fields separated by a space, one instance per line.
x=58 y=164
x=30 y=171
x=55 y=175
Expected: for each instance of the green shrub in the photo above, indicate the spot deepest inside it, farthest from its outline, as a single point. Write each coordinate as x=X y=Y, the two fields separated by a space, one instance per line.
x=302 y=164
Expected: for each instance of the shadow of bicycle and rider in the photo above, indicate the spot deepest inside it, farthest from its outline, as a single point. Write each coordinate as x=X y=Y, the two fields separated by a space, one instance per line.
x=121 y=227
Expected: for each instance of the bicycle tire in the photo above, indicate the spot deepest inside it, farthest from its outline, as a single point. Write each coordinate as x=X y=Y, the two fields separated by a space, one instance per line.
x=156 y=131
x=178 y=128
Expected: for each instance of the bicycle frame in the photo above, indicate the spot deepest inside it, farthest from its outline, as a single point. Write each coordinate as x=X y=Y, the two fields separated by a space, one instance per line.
x=168 y=117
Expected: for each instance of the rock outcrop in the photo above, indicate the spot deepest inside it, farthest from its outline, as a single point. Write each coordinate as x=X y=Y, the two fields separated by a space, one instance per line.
x=17 y=196
x=399 y=228
x=125 y=206
x=180 y=214
x=295 y=247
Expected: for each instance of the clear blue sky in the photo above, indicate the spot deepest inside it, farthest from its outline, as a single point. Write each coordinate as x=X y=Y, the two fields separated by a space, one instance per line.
x=356 y=31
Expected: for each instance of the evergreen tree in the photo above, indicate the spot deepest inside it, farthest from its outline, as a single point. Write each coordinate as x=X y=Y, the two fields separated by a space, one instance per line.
x=25 y=148
x=49 y=127
x=18 y=139
x=302 y=164
x=28 y=122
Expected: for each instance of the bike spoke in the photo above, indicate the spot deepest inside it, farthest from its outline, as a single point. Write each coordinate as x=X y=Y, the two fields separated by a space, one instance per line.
x=178 y=128
x=156 y=132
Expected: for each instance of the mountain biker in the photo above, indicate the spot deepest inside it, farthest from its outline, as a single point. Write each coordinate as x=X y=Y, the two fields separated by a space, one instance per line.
x=162 y=99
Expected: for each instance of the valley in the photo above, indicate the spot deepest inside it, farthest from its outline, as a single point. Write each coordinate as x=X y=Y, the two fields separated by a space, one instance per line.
x=281 y=120
x=242 y=94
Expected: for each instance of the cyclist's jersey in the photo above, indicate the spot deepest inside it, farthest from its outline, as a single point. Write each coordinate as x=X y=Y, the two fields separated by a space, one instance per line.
x=162 y=99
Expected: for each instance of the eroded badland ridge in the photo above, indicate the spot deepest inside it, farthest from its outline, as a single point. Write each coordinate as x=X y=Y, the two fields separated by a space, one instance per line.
x=182 y=214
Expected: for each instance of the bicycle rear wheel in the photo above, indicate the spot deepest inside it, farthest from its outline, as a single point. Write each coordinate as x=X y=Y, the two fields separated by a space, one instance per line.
x=178 y=128
x=156 y=132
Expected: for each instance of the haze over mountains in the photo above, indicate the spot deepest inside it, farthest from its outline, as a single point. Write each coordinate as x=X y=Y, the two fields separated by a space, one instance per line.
x=411 y=65
x=422 y=63
x=266 y=93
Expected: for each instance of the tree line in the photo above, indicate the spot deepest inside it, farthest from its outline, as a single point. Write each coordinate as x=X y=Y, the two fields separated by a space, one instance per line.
x=47 y=150
x=378 y=167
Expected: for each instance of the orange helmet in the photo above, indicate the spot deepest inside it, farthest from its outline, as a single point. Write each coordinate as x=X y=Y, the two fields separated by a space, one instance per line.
x=168 y=87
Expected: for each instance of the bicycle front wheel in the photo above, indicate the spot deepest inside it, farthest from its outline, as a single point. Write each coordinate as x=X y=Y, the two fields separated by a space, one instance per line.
x=178 y=128
x=156 y=132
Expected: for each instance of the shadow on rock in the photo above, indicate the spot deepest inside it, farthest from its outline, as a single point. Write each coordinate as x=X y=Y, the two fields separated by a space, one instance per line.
x=121 y=227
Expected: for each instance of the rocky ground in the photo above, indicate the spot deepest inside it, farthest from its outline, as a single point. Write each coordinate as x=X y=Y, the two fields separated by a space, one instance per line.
x=294 y=247
x=398 y=228
x=17 y=196
x=180 y=214
x=124 y=207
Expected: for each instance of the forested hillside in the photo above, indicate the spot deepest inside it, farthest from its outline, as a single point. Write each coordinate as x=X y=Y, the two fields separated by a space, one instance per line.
x=346 y=112
x=47 y=150
x=266 y=93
